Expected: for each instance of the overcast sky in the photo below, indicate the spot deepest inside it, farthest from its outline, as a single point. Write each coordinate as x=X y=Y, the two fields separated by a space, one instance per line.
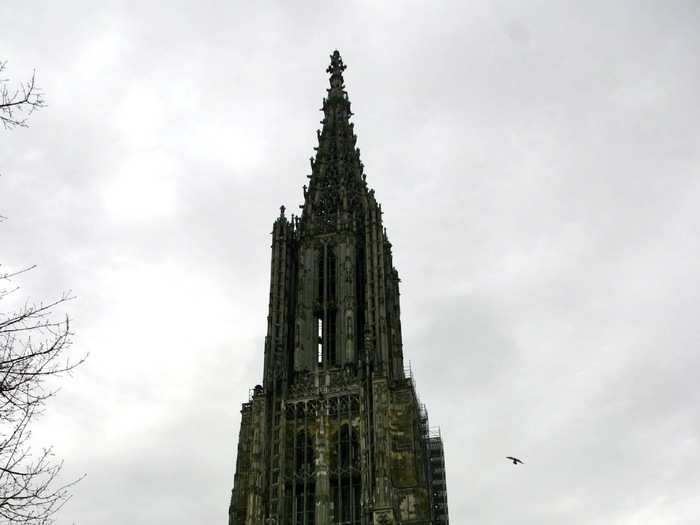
x=538 y=166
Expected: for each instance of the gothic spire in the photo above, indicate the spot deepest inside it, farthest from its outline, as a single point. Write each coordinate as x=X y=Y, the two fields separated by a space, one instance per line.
x=336 y=183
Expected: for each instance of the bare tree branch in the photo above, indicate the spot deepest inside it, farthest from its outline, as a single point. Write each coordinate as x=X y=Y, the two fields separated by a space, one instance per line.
x=34 y=351
x=19 y=102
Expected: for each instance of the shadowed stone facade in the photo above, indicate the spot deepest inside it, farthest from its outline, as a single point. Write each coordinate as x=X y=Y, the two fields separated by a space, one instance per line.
x=336 y=433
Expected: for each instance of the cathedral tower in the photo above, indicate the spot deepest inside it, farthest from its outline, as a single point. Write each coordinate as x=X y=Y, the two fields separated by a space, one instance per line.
x=336 y=433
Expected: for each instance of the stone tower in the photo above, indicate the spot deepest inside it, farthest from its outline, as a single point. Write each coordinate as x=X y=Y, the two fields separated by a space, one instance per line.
x=336 y=433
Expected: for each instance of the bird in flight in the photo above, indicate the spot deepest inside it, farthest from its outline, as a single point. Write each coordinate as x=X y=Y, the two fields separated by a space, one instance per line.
x=514 y=460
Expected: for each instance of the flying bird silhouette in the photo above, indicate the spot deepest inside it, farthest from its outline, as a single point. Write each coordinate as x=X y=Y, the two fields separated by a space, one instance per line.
x=514 y=460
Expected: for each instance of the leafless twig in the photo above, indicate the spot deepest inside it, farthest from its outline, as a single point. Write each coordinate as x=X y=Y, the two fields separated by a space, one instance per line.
x=19 y=102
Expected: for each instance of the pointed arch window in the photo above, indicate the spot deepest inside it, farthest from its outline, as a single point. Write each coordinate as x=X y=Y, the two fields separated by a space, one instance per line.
x=326 y=312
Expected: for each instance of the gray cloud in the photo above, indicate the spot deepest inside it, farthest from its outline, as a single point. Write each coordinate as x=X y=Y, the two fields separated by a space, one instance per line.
x=538 y=169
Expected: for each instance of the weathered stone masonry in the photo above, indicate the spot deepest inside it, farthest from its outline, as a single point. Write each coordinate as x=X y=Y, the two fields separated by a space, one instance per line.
x=335 y=434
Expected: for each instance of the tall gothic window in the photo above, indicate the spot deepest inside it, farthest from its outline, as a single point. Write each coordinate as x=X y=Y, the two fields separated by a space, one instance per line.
x=319 y=323
x=326 y=301
x=345 y=476
x=304 y=486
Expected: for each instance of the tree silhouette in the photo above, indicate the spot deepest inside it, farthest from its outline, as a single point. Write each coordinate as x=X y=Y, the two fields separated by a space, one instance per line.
x=34 y=345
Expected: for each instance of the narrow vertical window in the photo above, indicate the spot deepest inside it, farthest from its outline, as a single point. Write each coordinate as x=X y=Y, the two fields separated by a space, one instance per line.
x=331 y=273
x=326 y=309
x=331 y=355
x=321 y=275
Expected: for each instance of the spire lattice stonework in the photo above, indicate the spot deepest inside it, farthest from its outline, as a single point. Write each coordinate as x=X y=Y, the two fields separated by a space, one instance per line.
x=337 y=185
x=335 y=434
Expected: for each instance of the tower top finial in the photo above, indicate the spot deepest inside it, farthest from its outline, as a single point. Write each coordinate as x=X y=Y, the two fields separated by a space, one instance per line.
x=337 y=67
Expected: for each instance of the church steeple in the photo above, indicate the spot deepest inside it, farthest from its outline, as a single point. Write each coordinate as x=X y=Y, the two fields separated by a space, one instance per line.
x=335 y=435
x=337 y=184
x=347 y=304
